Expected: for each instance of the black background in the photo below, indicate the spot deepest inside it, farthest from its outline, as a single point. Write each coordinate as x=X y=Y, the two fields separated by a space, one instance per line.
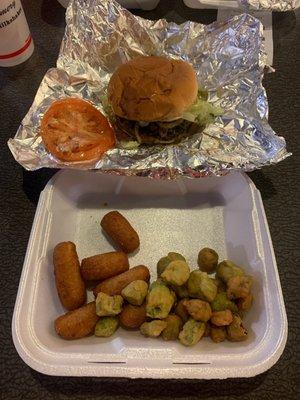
x=19 y=192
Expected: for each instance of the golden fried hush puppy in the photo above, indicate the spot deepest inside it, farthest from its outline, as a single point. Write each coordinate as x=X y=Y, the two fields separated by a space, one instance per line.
x=120 y=231
x=70 y=286
x=77 y=323
x=103 y=266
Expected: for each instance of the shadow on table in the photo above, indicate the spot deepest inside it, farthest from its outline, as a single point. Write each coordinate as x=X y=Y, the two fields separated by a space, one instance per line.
x=35 y=181
x=147 y=388
x=178 y=12
x=263 y=184
x=283 y=24
x=53 y=13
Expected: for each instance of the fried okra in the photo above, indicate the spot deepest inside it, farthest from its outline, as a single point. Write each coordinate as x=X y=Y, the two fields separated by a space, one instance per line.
x=108 y=305
x=217 y=333
x=192 y=332
x=135 y=292
x=244 y=304
x=221 y=287
x=228 y=269
x=239 y=287
x=153 y=328
x=106 y=326
x=236 y=332
x=174 y=326
x=181 y=311
x=208 y=260
x=222 y=318
x=159 y=301
x=176 y=273
x=180 y=291
x=198 y=309
x=221 y=303
x=201 y=286
x=165 y=261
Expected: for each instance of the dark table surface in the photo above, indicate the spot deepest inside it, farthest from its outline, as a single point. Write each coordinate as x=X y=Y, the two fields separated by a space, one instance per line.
x=19 y=193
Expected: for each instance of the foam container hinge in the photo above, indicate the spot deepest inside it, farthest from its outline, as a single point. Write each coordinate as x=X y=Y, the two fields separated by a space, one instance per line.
x=225 y=213
x=143 y=4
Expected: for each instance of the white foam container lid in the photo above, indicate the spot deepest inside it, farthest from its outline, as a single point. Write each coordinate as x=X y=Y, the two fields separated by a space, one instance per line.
x=223 y=213
x=212 y=4
x=143 y=4
x=219 y=4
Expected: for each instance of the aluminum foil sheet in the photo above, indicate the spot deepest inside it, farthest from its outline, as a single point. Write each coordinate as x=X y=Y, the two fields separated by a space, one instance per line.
x=271 y=5
x=228 y=57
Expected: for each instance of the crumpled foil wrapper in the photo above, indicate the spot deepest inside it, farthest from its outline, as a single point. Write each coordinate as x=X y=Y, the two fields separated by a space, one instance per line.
x=271 y=5
x=228 y=57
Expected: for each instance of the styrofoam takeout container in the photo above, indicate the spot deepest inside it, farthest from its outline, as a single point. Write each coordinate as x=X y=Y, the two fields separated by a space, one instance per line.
x=143 y=4
x=220 y=4
x=225 y=213
x=212 y=4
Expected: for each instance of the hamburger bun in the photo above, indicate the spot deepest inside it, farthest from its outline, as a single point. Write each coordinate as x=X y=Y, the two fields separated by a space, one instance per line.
x=152 y=89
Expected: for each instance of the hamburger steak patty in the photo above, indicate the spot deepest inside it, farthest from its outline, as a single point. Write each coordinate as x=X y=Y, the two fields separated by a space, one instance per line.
x=167 y=132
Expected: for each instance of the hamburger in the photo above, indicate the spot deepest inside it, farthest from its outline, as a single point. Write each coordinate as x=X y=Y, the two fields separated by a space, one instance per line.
x=156 y=100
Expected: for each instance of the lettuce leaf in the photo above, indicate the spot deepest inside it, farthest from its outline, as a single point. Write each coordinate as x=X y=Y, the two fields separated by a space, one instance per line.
x=202 y=112
x=107 y=107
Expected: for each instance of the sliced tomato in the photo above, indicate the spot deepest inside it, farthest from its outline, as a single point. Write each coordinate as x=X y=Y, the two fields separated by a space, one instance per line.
x=74 y=130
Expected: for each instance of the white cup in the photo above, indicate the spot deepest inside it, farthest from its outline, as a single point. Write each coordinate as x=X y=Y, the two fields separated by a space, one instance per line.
x=16 y=44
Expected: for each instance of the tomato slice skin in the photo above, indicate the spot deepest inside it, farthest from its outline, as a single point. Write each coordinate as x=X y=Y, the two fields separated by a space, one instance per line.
x=73 y=130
